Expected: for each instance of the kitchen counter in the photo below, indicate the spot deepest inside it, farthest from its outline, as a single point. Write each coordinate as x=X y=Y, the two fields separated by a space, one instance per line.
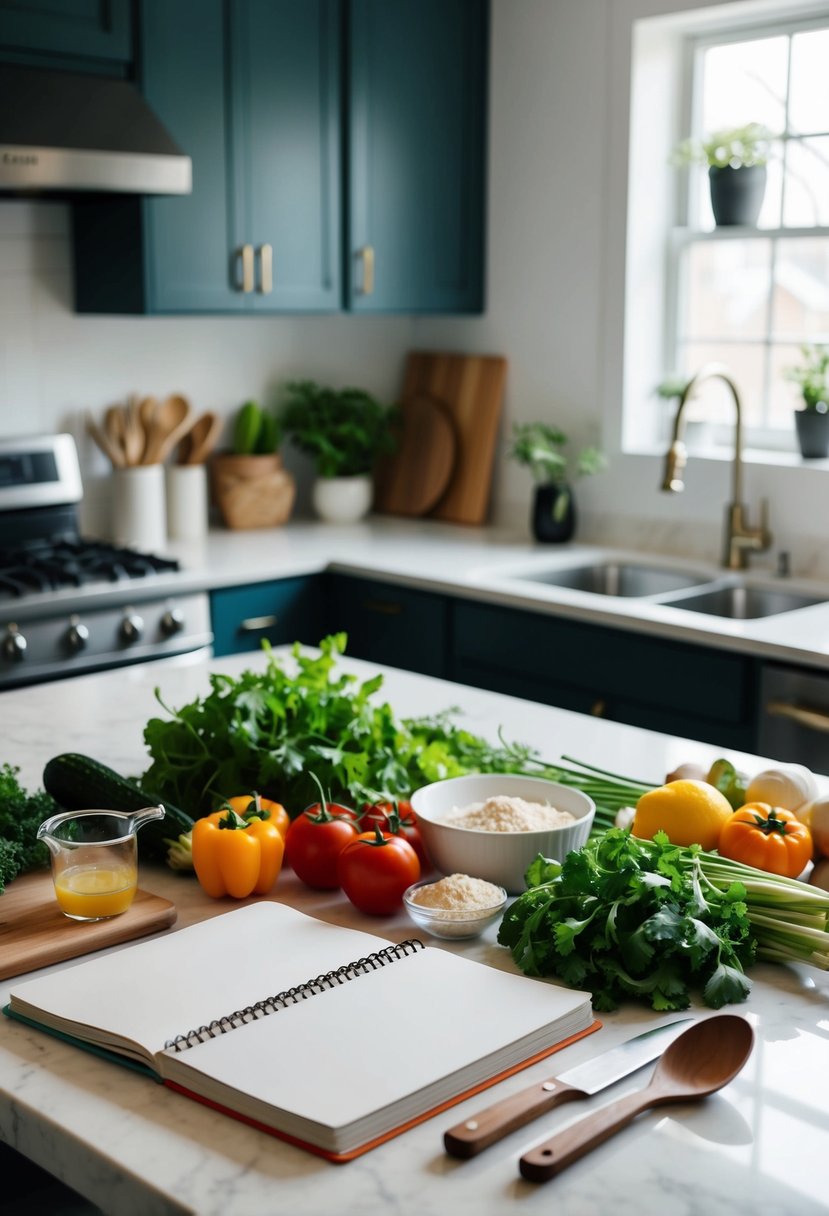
x=756 y=1148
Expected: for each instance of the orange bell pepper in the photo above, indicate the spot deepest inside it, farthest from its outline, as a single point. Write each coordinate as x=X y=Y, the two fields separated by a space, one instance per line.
x=768 y=838
x=237 y=856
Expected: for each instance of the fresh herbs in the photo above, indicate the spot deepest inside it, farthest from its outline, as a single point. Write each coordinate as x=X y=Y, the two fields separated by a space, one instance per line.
x=21 y=814
x=628 y=918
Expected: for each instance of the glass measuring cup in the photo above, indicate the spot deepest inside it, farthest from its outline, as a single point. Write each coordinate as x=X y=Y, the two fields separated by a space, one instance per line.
x=95 y=859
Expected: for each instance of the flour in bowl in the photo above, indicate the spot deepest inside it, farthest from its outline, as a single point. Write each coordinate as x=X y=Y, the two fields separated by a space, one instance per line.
x=504 y=814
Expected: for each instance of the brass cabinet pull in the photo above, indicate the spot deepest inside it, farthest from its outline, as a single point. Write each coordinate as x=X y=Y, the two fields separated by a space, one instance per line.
x=599 y=708
x=246 y=254
x=366 y=256
x=256 y=624
x=812 y=719
x=387 y=607
x=266 y=269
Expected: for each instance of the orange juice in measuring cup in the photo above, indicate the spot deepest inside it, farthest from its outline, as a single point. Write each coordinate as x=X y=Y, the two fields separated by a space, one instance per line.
x=95 y=859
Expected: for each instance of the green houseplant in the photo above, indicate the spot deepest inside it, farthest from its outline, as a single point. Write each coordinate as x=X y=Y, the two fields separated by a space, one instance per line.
x=250 y=486
x=541 y=448
x=736 y=159
x=344 y=431
x=812 y=421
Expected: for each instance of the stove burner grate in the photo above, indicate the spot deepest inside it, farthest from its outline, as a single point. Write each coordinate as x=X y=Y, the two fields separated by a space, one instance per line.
x=49 y=563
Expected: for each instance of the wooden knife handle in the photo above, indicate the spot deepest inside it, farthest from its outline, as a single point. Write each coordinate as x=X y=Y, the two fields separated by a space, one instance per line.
x=549 y=1158
x=487 y=1126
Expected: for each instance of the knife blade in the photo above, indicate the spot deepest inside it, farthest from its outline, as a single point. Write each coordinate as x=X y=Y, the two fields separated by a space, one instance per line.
x=480 y=1130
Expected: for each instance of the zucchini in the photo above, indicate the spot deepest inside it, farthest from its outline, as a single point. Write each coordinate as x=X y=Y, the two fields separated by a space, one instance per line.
x=79 y=782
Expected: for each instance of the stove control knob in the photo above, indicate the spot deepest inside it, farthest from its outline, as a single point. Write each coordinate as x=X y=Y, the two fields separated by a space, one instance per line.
x=172 y=622
x=132 y=628
x=13 y=646
x=77 y=635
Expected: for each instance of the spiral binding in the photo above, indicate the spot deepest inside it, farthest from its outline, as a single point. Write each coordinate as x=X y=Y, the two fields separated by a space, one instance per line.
x=292 y=996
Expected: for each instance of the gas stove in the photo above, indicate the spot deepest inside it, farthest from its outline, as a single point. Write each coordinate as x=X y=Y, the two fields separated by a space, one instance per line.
x=71 y=604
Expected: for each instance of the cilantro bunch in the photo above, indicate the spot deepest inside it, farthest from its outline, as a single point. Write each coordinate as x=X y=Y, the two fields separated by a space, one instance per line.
x=628 y=918
x=21 y=814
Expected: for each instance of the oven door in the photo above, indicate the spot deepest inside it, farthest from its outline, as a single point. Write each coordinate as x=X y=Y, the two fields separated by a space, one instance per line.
x=794 y=717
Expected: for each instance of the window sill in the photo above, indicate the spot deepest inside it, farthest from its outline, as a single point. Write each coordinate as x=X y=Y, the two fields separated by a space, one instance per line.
x=752 y=456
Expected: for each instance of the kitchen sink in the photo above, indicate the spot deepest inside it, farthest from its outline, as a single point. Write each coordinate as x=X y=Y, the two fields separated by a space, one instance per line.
x=746 y=603
x=619 y=578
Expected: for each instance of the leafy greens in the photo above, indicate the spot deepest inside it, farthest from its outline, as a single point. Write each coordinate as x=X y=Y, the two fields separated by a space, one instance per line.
x=21 y=814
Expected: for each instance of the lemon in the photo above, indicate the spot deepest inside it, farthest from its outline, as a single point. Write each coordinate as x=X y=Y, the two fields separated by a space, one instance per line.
x=690 y=812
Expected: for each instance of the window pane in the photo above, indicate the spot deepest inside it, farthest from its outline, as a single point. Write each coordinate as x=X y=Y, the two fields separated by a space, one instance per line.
x=801 y=289
x=713 y=401
x=807 y=183
x=745 y=82
x=728 y=289
x=809 y=101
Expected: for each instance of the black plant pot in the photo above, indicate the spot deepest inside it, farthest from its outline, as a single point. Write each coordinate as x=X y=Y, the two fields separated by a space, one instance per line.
x=554 y=514
x=812 y=433
x=737 y=194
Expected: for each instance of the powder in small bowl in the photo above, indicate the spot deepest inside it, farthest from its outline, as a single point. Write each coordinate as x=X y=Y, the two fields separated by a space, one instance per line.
x=501 y=813
x=455 y=906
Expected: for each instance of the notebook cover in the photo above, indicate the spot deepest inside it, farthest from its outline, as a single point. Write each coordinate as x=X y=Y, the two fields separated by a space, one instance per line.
x=341 y=1158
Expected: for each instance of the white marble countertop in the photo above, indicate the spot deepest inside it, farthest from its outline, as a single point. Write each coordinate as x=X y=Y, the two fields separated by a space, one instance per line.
x=754 y=1149
x=480 y=564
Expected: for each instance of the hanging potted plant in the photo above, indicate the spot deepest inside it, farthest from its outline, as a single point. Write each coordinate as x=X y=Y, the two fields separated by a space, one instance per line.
x=540 y=448
x=343 y=431
x=250 y=486
x=736 y=159
x=812 y=421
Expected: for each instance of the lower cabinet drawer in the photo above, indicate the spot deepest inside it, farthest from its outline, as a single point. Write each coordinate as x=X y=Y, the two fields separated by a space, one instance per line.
x=388 y=624
x=281 y=611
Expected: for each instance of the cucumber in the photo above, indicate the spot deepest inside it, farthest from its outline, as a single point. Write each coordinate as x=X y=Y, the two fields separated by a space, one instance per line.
x=78 y=783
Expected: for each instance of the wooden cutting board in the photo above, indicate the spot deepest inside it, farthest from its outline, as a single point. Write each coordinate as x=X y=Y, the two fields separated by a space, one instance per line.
x=471 y=389
x=413 y=480
x=34 y=932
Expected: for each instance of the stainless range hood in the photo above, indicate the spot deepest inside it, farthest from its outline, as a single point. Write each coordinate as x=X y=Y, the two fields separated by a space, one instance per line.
x=61 y=132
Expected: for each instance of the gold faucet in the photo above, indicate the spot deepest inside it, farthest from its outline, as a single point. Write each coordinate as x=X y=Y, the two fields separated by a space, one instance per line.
x=740 y=539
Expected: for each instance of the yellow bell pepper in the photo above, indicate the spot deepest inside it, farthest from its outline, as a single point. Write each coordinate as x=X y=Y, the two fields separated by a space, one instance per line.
x=235 y=855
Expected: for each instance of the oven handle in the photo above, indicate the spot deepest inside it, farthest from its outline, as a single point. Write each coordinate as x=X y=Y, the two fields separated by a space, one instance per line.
x=811 y=719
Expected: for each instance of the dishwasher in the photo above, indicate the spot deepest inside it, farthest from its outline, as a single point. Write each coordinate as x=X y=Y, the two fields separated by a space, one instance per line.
x=794 y=716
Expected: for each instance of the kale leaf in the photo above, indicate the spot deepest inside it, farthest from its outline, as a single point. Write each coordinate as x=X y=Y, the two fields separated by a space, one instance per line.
x=21 y=814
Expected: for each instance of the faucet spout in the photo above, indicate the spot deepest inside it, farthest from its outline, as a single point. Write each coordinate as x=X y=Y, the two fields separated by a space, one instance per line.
x=740 y=539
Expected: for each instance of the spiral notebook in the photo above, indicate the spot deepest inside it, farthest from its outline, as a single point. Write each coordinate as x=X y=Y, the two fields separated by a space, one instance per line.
x=331 y=1038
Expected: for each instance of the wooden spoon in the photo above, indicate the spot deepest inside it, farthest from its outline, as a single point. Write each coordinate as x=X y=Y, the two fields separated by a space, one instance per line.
x=172 y=419
x=110 y=450
x=114 y=430
x=698 y=1062
x=201 y=439
x=134 y=438
x=147 y=407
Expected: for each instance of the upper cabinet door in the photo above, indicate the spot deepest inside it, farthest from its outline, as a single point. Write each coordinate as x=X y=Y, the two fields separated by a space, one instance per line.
x=417 y=133
x=97 y=29
x=286 y=164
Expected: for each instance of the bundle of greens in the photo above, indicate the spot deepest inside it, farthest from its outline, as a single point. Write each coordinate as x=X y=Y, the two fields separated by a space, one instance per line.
x=628 y=918
x=271 y=730
x=21 y=814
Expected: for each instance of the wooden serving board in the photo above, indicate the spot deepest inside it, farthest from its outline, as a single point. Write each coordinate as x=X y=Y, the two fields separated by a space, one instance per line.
x=413 y=480
x=471 y=390
x=34 y=932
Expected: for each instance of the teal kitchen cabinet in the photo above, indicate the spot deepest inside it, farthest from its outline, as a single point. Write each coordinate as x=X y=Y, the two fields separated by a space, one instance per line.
x=250 y=90
x=67 y=29
x=389 y=624
x=416 y=169
x=674 y=687
x=280 y=611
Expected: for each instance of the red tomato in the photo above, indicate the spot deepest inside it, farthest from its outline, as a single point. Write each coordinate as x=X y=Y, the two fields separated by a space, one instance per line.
x=374 y=870
x=314 y=840
x=379 y=816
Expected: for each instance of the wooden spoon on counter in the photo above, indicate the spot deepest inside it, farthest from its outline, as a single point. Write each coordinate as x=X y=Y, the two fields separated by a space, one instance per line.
x=701 y=1060
x=201 y=439
x=172 y=419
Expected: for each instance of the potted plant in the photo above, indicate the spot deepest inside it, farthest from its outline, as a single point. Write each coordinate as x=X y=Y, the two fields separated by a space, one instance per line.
x=736 y=159
x=541 y=448
x=250 y=485
x=343 y=431
x=812 y=421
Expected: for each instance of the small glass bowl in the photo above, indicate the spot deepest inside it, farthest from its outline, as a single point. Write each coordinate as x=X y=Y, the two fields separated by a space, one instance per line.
x=455 y=923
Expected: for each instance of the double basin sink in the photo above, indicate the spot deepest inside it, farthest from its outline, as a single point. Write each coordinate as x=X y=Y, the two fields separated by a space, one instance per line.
x=722 y=596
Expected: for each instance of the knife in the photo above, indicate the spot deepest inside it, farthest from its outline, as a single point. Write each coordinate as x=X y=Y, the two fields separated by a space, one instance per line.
x=468 y=1138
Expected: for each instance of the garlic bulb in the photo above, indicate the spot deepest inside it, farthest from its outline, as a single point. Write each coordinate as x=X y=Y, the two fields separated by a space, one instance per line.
x=815 y=815
x=624 y=816
x=790 y=786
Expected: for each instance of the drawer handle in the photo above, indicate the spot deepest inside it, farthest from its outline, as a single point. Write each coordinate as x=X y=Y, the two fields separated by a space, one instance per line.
x=812 y=719
x=385 y=606
x=266 y=269
x=256 y=624
x=246 y=254
x=366 y=256
x=599 y=708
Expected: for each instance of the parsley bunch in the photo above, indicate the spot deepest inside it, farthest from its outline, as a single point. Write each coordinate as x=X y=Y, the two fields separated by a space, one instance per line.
x=629 y=918
x=21 y=814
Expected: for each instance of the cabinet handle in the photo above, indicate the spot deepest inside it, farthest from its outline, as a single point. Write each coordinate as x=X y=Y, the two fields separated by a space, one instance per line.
x=256 y=624
x=266 y=269
x=599 y=708
x=812 y=719
x=246 y=254
x=387 y=607
x=366 y=256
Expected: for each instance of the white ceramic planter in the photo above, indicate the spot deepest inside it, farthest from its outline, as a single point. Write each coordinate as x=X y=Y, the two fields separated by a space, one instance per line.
x=342 y=500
